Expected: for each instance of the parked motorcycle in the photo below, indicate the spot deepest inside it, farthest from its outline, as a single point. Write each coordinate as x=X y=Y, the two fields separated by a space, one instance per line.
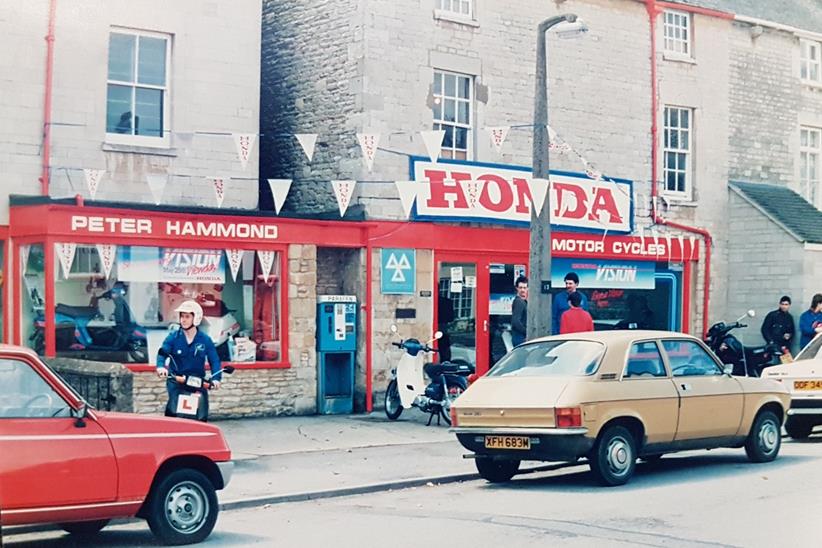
x=83 y=328
x=408 y=389
x=746 y=360
x=193 y=404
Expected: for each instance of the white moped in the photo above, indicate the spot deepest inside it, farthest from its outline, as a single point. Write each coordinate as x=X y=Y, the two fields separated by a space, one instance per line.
x=408 y=388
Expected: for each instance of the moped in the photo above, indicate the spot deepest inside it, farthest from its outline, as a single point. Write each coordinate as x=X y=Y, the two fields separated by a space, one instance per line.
x=407 y=387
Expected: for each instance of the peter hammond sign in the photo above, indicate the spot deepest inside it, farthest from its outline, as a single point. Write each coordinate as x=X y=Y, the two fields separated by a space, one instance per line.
x=504 y=195
x=166 y=228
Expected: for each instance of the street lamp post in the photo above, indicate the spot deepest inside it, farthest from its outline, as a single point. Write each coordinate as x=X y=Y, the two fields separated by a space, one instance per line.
x=539 y=298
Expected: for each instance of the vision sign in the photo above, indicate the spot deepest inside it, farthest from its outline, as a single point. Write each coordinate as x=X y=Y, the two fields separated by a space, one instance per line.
x=504 y=195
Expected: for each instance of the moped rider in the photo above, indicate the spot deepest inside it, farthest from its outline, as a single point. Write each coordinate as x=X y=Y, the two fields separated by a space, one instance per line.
x=189 y=348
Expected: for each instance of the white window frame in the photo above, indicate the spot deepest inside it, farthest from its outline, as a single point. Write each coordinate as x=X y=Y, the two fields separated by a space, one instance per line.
x=677 y=34
x=455 y=10
x=143 y=140
x=684 y=148
x=810 y=70
x=810 y=185
x=439 y=95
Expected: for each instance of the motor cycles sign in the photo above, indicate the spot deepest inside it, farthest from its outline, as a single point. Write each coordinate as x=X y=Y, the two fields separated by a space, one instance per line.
x=474 y=191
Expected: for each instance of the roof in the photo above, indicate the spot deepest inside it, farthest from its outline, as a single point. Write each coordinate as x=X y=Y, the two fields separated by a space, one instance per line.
x=802 y=14
x=785 y=207
x=614 y=336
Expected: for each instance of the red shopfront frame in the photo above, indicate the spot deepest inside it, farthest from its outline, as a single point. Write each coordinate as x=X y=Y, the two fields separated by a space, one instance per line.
x=43 y=221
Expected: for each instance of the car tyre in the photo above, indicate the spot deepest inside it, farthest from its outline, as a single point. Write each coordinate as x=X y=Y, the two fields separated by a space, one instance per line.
x=496 y=471
x=183 y=508
x=84 y=529
x=613 y=458
x=393 y=403
x=797 y=428
x=764 y=439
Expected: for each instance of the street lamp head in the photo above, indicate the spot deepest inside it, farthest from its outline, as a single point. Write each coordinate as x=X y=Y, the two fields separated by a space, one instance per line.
x=571 y=28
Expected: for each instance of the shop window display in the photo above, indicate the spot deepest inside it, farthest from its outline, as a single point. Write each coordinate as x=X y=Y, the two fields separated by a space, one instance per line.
x=127 y=316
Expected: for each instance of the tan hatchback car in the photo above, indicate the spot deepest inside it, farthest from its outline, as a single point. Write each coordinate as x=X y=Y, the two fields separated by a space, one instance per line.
x=612 y=397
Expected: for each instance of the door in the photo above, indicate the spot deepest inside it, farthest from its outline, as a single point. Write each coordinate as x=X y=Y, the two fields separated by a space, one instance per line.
x=460 y=314
x=710 y=402
x=47 y=460
x=501 y=277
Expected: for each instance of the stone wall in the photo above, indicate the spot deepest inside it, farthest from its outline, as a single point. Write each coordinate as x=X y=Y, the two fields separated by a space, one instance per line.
x=213 y=87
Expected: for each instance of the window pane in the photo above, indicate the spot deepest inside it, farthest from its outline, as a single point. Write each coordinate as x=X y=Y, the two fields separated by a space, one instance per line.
x=674 y=117
x=462 y=112
x=149 y=110
x=803 y=137
x=547 y=359
x=680 y=182
x=682 y=164
x=437 y=109
x=450 y=85
x=688 y=358
x=448 y=139
x=121 y=57
x=464 y=87
x=461 y=138
x=24 y=393
x=670 y=160
x=685 y=118
x=118 y=109
x=450 y=110
x=437 y=83
x=644 y=360
x=151 y=66
x=673 y=139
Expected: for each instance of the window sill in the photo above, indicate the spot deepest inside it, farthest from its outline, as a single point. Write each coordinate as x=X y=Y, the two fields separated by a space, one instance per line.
x=148 y=368
x=443 y=15
x=812 y=85
x=678 y=58
x=136 y=149
x=679 y=200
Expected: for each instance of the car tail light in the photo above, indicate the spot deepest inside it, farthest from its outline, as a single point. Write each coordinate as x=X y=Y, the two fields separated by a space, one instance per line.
x=568 y=417
x=453 y=417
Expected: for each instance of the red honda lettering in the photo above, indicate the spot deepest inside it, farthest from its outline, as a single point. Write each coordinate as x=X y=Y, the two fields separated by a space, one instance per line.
x=604 y=201
x=577 y=192
x=524 y=198
x=506 y=196
x=439 y=189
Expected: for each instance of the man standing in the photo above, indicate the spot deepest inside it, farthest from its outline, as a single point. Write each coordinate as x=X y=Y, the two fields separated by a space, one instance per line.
x=810 y=322
x=519 y=312
x=575 y=319
x=561 y=300
x=778 y=327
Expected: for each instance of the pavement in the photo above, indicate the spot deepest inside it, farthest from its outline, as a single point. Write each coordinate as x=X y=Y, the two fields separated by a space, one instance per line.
x=286 y=459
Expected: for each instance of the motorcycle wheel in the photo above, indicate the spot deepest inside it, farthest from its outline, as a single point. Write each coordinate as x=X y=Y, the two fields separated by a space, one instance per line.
x=798 y=429
x=38 y=342
x=454 y=392
x=393 y=404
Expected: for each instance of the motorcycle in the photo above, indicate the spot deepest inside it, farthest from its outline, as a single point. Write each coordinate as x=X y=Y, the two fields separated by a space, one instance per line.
x=746 y=360
x=193 y=404
x=84 y=328
x=407 y=387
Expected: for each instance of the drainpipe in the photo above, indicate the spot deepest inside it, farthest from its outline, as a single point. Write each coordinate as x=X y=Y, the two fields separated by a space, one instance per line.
x=653 y=11
x=44 y=177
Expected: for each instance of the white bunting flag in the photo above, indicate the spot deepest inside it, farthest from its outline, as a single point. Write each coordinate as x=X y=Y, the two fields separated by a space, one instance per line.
x=539 y=190
x=642 y=237
x=568 y=203
x=157 y=185
x=368 y=144
x=343 y=191
x=106 y=252
x=279 y=191
x=307 y=141
x=93 y=177
x=604 y=217
x=244 y=143
x=235 y=259
x=433 y=142
x=593 y=174
x=266 y=262
x=408 y=191
x=681 y=239
x=693 y=246
x=65 y=252
x=219 y=189
x=552 y=135
x=498 y=135
x=472 y=188
x=655 y=236
x=668 y=243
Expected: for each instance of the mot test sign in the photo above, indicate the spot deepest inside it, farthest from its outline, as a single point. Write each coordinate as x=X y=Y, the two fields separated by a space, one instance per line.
x=504 y=195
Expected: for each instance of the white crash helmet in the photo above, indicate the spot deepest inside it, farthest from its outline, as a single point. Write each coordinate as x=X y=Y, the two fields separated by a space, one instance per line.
x=191 y=307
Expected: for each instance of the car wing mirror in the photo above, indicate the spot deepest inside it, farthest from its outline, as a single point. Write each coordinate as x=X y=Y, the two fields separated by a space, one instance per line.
x=80 y=416
x=728 y=369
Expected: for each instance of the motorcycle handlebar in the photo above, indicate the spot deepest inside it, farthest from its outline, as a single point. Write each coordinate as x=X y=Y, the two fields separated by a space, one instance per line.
x=398 y=345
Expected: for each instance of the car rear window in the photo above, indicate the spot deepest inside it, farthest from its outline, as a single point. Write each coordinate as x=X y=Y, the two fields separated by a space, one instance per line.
x=550 y=358
x=811 y=350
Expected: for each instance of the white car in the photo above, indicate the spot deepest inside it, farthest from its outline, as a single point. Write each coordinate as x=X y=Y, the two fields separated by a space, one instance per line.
x=803 y=379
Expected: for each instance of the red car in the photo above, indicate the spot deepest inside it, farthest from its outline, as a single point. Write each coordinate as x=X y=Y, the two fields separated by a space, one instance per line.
x=63 y=462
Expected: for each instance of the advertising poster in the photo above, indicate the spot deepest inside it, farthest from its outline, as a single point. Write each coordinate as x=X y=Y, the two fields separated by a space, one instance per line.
x=153 y=264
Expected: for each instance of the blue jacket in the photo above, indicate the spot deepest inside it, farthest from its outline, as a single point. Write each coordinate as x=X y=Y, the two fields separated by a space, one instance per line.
x=807 y=322
x=189 y=359
x=561 y=305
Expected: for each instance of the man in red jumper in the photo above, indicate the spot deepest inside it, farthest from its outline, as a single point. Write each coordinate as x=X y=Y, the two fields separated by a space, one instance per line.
x=576 y=319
